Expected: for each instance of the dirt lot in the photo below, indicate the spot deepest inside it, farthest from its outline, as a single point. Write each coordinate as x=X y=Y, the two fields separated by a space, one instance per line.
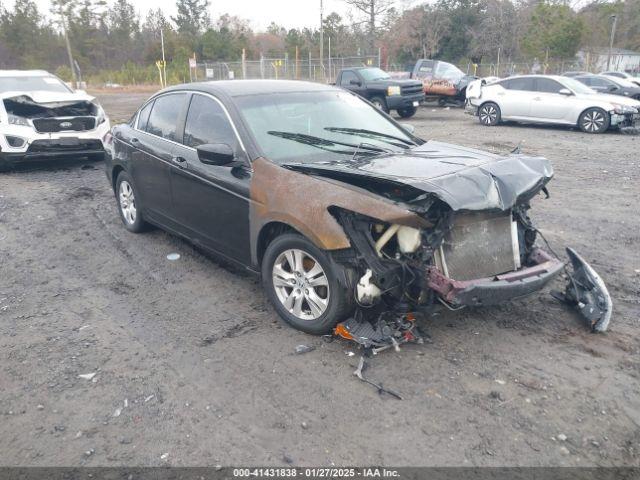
x=193 y=367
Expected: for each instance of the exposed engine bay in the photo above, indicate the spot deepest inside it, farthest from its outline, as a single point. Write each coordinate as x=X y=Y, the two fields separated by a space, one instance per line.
x=465 y=259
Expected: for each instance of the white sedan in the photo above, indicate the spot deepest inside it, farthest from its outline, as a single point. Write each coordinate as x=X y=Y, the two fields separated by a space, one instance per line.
x=549 y=99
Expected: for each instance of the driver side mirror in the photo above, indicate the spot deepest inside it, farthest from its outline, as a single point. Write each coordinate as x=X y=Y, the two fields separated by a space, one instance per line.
x=216 y=154
x=357 y=83
x=565 y=91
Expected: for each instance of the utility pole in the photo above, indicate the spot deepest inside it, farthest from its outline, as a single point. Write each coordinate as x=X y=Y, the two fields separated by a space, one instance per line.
x=614 y=19
x=164 y=61
x=67 y=42
x=321 y=38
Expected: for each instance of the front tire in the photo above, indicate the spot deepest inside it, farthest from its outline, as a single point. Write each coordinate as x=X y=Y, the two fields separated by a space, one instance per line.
x=380 y=103
x=489 y=114
x=126 y=196
x=594 y=120
x=302 y=282
x=407 y=112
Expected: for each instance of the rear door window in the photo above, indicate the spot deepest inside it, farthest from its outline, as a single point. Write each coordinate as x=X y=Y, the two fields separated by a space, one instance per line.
x=143 y=116
x=163 y=120
x=522 y=84
x=207 y=122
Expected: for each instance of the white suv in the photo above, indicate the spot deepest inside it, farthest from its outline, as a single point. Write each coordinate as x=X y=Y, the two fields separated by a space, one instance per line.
x=550 y=99
x=41 y=117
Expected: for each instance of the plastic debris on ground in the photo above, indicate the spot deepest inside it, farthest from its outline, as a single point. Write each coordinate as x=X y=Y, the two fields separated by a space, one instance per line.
x=173 y=257
x=304 y=349
x=387 y=330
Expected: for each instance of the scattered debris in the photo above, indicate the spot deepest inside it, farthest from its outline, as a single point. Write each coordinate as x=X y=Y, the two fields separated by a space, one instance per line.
x=87 y=376
x=90 y=452
x=381 y=389
x=150 y=397
x=304 y=425
x=500 y=382
x=83 y=327
x=164 y=456
x=562 y=437
x=125 y=440
x=117 y=412
x=304 y=349
x=173 y=256
x=40 y=407
x=387 y=330
x=349 y=353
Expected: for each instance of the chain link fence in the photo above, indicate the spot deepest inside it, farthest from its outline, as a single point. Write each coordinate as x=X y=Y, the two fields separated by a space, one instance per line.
x=325 y=71
x=281 y=68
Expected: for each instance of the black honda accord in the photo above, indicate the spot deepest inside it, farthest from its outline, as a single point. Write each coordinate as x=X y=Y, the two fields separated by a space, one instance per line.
x=353 y=222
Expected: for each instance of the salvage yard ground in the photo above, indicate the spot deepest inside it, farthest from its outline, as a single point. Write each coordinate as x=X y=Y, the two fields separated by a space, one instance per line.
x=193 y=367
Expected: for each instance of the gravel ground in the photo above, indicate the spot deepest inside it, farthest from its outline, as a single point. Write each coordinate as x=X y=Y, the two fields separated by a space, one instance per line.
x=192 y=366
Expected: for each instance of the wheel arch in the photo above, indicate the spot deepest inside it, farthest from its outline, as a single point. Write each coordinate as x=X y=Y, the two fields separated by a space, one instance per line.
x=268 y=233
x=114 y=175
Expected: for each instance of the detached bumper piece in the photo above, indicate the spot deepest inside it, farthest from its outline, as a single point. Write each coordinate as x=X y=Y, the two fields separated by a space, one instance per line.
x=389 y=330
x=587 y=293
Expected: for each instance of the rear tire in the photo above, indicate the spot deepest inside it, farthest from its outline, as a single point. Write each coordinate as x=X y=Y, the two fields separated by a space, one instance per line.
x=594 y=120
x=407 y=112
x=128 y=206
x=489 y=114
x=307 y=295
x=380 y=103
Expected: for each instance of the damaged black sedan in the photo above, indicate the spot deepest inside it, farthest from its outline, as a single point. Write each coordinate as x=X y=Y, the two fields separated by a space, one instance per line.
x=355 y=224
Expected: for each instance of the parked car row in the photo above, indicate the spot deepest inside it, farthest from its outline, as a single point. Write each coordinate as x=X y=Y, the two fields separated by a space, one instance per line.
x=551 y=99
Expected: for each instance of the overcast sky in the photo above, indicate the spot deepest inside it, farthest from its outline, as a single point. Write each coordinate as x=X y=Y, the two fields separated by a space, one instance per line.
x=289 y=13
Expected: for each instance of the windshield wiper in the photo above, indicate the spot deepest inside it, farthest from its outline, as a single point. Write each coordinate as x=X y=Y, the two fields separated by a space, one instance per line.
x=363 y=132
x=326 y=144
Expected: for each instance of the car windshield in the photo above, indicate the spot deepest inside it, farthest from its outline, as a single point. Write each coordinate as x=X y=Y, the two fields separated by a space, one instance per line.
x=371 y=74
x=30 y=84
x=576 y=86
x=328 y=126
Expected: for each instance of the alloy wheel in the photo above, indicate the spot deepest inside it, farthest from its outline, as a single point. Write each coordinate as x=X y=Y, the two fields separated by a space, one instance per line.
x=301 y=284
x=593 y=121
x=127 y=202
x=488 y=115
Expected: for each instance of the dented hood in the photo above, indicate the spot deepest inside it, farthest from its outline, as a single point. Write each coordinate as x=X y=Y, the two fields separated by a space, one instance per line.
x=46 y=98
x=464 y=178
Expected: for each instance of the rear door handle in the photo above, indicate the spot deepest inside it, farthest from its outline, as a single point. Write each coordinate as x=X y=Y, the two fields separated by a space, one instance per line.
x=135 y=140
x=179 y=161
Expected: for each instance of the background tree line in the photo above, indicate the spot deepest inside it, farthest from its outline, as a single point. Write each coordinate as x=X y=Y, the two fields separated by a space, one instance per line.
x=111 y=42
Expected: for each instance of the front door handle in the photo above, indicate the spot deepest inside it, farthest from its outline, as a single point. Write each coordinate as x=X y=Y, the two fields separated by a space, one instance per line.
x=179 y=161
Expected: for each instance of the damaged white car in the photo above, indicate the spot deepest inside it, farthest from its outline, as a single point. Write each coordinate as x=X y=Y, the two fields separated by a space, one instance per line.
x=550 y=99
x=42 y=118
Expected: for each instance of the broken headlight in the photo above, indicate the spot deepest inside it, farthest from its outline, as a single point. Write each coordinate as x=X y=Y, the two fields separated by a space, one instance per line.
x=16 y=120
x=100 y=116
x=623 y=109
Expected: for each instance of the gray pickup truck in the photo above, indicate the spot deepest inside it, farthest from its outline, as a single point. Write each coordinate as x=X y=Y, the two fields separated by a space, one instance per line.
x=379 y=88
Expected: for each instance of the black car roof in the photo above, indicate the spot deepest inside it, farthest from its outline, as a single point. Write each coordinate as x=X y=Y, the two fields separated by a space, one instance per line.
x=234 y=88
